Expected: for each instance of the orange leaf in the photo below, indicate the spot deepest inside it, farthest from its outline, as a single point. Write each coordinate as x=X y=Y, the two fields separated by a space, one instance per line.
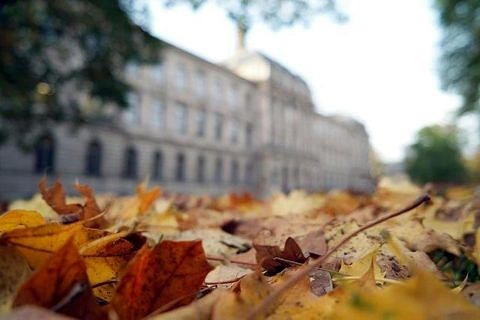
x=61 y=285
x=167 y=276
x=146 y=197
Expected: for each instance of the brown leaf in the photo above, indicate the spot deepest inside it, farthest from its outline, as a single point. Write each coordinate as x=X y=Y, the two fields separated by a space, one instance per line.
x=61 y=285
x=266 y=255
x=167 y=276
x=55 y=198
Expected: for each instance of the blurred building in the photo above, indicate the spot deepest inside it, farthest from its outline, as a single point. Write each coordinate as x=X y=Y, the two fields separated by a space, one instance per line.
x=198 y=127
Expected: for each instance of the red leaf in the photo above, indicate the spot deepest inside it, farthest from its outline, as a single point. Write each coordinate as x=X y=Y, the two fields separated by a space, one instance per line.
x=167 y=276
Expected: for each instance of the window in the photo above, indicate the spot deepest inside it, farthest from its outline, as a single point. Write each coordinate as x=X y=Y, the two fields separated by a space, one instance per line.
x=248 y=134
x=249 y=174
x=132 y=114
x=181 y=77
x=235 y=132
x=158 y=114
x=157 y=166
x=181 y=118
x=130 y=163
x=232 y=96
x=157 y=72
x=234 y=172
x=218 y=126
x=180 y=167
x=200 y=122
x=218 y=172
x=45 y=154
x=200 y=169
x=218 y=90
x=93 y=161
x=200 y=86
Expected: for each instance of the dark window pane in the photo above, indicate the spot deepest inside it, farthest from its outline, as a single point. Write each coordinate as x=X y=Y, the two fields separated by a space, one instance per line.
x=93 y=159
x=45 y=155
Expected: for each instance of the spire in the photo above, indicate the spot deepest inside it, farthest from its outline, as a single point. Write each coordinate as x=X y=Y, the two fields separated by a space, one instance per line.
x=241 y=36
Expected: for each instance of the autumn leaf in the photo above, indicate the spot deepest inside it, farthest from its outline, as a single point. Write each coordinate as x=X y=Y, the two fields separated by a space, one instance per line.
x=15 y=219
x=38 y=243
x=266 y=255
x=146 y=197
x=61 y=285
x=14 y=270
x=167 y=276
x=55 y=197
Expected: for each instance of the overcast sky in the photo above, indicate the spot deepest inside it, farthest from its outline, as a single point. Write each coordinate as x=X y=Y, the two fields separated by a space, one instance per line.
x=380 y=67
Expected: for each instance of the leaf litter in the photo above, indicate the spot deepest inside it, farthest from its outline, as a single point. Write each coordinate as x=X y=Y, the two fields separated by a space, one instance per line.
x=396 y=254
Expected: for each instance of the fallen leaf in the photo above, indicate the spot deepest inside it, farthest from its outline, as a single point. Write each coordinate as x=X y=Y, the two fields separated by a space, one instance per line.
x=15 y=219
x=167 y=276
x=146 y=197
x=266 y=254
x=14 y=270
x=61 y=285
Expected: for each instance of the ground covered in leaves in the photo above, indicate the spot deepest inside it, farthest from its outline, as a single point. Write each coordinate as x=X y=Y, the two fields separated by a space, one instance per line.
x=299 y=256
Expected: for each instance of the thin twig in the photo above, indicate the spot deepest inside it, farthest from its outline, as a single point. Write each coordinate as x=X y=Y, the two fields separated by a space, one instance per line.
x=304 y=271
x=224 y=282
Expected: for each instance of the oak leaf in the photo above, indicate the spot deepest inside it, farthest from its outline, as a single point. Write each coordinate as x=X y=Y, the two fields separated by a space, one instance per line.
x=61 y=285
x=164 y=277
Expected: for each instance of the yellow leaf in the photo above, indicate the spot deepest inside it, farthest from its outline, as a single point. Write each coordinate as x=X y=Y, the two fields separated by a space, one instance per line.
x=15 y=219
x=361 y=267
x=421 y=297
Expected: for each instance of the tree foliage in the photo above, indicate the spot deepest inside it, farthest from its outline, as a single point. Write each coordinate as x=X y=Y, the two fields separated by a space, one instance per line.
x=436 y=156
x=275 y=13
x=53 y=54
x=460 y=61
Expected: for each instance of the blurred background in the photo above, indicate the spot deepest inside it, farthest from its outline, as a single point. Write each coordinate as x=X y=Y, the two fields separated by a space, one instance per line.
x=218 y=96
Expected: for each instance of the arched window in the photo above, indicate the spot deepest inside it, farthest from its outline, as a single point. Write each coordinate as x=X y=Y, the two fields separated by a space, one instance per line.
x=234 y=172
x=157 y=168
x=180 y=168
x=93 y=161
x=200 y=169
x=45 y=154
x=130 y=163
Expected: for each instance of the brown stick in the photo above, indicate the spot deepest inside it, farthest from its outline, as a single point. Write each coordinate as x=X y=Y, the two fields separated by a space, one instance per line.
x=304 y=271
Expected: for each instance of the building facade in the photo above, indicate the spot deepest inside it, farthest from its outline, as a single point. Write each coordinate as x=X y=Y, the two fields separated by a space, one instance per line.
x=197 y=127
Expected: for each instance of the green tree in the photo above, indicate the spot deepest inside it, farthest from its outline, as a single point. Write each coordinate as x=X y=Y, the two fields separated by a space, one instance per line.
x=50 y=51
x=460 y=61
x=436 y=156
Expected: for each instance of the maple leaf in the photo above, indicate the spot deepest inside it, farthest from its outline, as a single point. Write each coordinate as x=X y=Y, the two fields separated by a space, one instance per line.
x=167 y=276
x=61 y=285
